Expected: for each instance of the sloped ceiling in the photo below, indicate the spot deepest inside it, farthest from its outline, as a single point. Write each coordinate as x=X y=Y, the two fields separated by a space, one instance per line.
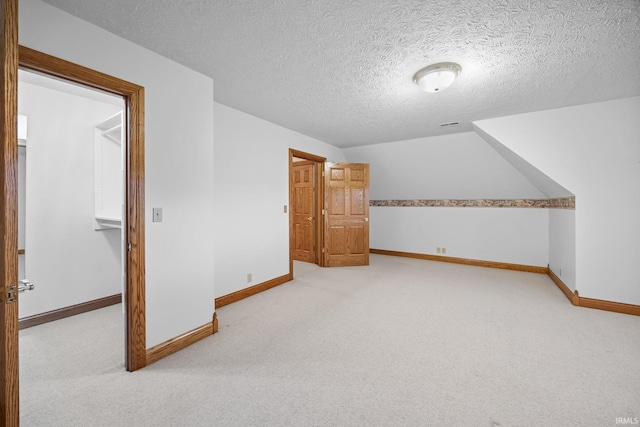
x=341 y=70
x=539 y=180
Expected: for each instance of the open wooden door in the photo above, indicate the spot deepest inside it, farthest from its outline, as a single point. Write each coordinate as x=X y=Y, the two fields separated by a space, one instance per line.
x=347 y=214
x=9 y=407
x=304 y=211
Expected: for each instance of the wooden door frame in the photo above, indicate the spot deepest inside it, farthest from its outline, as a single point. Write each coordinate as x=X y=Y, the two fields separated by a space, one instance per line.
x=319 y=187
x=13 y=56
x=133 y=95
x=9 y=373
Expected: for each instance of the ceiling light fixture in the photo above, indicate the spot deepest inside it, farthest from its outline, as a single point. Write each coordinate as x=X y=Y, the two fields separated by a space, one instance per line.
x=437 y=77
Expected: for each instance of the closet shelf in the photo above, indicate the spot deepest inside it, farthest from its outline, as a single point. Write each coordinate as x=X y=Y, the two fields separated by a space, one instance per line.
x=108 y=173
x=105 y=222
x=113 y=134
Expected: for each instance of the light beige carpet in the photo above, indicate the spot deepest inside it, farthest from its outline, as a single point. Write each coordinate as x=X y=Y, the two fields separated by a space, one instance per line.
x=399 y=343
x=301 y=268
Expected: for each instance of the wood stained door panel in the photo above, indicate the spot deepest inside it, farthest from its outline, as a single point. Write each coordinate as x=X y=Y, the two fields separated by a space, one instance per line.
x=303 y=210
x=306 y=235
x=356 y=240
x=357 y=201
x=337 y=240
x=9 y=377
x=347 y=214
x=337 y=201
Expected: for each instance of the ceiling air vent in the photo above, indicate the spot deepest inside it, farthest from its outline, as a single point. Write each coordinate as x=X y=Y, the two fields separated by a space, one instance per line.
x=446 y=125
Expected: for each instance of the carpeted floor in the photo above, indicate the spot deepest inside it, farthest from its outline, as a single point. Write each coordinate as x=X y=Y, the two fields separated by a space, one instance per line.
x=402 y=342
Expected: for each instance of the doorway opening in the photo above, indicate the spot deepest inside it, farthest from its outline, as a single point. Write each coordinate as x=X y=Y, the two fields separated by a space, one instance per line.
x=132 y=213
x=70 y=234
x=70 y=199
x=306 y=203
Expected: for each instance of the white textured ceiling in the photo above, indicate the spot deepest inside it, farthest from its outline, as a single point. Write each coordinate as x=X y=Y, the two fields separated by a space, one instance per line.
x=341 y=70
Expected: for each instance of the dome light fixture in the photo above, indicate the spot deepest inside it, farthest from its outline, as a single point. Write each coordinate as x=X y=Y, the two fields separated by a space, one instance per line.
x=437 y=77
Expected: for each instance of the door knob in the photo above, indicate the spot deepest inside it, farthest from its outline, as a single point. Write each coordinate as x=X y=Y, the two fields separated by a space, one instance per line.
x=25 y=285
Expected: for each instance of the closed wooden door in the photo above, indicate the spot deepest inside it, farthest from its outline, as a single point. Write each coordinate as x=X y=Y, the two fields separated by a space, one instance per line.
x=347 y=214
x=303 y=210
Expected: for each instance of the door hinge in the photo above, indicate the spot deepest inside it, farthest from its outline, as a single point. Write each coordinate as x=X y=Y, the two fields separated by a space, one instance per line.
x=129 y=247
x=11 y=294
x=322 y=250
x=323 y=174
x=322 y=211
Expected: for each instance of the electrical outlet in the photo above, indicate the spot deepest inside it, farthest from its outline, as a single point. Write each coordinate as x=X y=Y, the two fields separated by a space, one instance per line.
x=438 y=250
x=249 y=277
x=444 y=250
x=285 y=208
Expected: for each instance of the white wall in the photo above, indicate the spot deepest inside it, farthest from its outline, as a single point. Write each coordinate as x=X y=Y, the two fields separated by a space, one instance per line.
x=178 y=157
x=562 y=245
x=593 y=150
x=511 y=235
x=252 y=188
x=66 y=259
x=542 y=182
x=458 y=166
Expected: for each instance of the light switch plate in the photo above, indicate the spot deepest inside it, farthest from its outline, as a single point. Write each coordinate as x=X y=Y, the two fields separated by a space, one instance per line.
x=157 y=214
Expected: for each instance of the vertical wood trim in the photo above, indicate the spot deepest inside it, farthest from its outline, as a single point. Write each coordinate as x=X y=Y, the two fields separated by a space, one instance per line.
x=136 y=353
x=9 y=374
x=135 y=287
x=325 y=219
x=367 y=217
x=320 y=218
x=291 y=227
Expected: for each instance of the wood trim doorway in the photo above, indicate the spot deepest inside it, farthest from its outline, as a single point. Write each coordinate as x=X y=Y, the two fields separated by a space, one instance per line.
x=133 y=95
x=319 y=196
x=11 y=55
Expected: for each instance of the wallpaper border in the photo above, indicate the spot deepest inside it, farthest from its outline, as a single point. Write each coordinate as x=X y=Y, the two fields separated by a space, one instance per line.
x=557 y=203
